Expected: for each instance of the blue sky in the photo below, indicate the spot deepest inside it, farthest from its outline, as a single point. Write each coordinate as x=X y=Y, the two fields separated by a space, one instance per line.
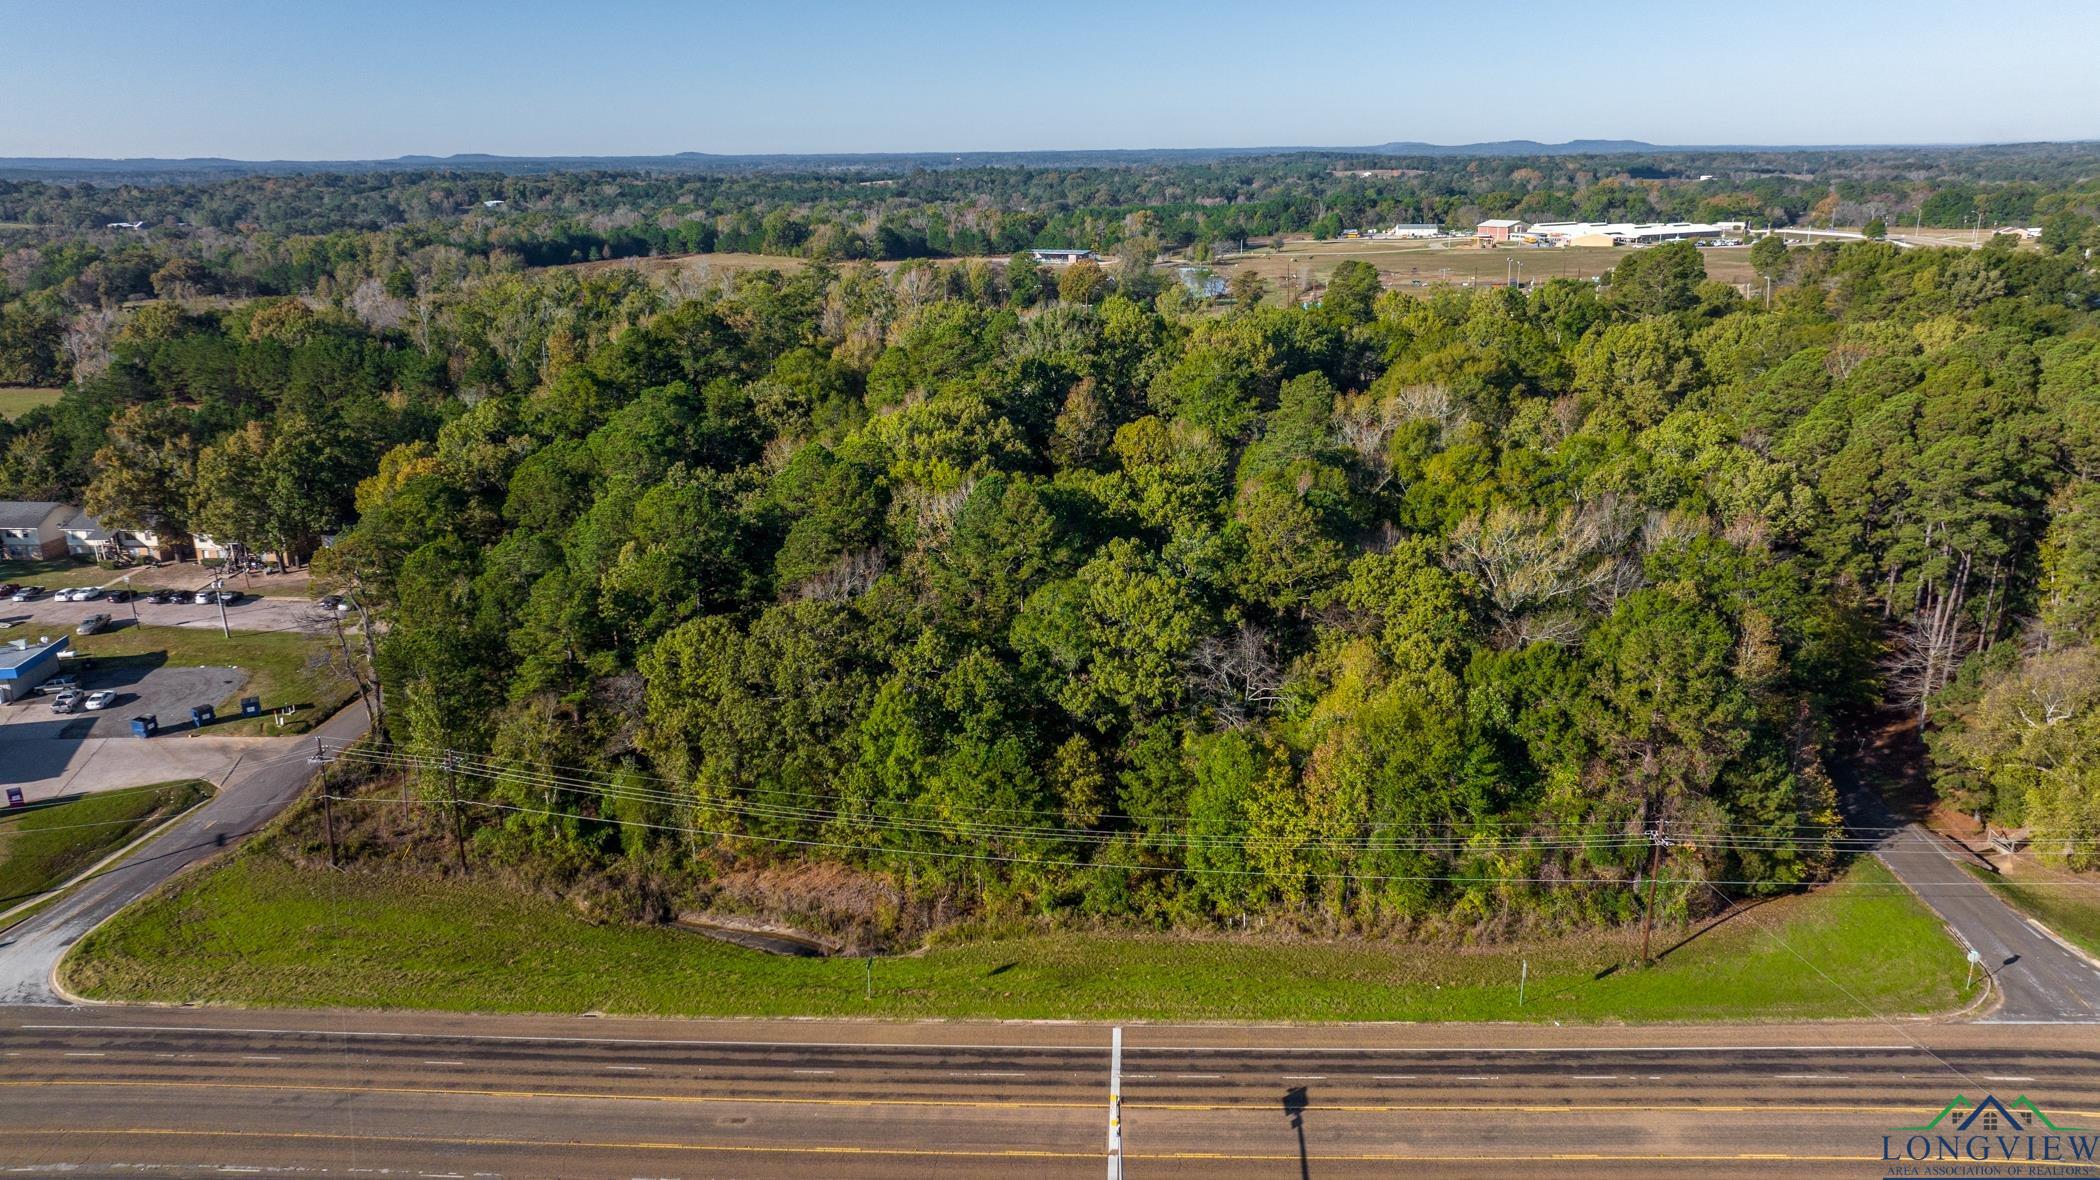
x=336 y=79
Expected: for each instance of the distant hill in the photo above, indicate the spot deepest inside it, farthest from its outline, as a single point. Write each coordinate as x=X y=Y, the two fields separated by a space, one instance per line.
x=150 y=170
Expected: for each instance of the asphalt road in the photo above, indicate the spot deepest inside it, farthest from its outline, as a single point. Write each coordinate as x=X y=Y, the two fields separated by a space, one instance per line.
x=2038 y=978
x=254 y=792
x=181 y=1091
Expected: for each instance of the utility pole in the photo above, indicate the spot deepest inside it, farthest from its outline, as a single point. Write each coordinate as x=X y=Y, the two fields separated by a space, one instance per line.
x=327 y=808
x=459 y=819
x=1656 y=841
x=218 y=595
x=1115 y=1105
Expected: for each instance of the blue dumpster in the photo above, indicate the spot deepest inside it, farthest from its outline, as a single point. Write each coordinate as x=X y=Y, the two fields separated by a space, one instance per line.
x=202 y=715
x=251 y=706
x=145 y=726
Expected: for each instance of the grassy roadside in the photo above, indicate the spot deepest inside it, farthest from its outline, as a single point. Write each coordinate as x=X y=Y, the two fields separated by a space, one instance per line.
x=284 y=668
x=259 y=930
x=2073 y=912
x=42 y=847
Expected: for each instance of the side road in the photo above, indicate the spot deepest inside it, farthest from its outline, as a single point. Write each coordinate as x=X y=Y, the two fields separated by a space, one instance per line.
x=2040 y=979
x=30 y=952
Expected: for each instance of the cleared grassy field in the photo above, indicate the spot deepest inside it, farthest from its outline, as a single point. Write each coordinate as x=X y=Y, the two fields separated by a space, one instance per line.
x=42 y=847
x=282 y=666
x=1404 y=264
x=17 y=400
x=259 y=930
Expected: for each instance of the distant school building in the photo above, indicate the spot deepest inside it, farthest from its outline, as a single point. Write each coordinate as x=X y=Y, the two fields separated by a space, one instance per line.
x=1498 y=229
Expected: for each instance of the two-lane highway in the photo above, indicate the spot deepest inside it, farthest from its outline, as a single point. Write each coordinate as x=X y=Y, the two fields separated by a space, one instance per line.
x=333 y=1093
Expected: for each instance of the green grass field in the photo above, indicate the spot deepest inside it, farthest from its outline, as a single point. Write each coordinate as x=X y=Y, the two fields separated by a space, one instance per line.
x=42 y=847
x=283 y=668
x=2069 y=906
x=54 y=573
x=259 y=930
x=17 y=400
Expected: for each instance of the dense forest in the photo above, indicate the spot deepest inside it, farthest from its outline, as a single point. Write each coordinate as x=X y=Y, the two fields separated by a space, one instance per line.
x=1028 y=597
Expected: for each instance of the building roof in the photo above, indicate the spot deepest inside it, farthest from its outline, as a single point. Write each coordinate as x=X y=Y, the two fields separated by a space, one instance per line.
x=27 y=514
x=1500 y=223
x=83 y=523
x=17 y=652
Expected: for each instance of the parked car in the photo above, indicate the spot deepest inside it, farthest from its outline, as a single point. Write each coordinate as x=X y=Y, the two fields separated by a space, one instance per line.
x=329 y=601
x=59 y=683
x=120 y=594
x=62 y=594
x=202 y=598
x=87 y=593
x=67 y=701
x=101 y=699
x=158 y=596
x=7 y=588
x=91 y=624
x=23 y=594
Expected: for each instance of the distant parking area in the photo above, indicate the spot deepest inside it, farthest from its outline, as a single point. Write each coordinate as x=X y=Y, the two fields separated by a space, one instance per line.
x=142 y=686
x=249 y=614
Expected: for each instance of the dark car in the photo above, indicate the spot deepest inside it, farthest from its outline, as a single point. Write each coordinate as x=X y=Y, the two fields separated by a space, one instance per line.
x=158 y=596
x=7 y=588
x=329 y=601
x=120 y=595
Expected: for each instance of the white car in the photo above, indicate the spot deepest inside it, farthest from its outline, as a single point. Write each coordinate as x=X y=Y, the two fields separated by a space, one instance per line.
x=101 y=699
x=87 y=594
x=65 y=595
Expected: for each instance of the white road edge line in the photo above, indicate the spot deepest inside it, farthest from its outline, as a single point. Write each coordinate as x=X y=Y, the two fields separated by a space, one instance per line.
x=792 y=1044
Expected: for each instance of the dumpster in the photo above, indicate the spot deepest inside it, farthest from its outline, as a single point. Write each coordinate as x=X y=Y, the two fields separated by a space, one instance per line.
x=202 y=715
x=251 y=706
x=145 y=726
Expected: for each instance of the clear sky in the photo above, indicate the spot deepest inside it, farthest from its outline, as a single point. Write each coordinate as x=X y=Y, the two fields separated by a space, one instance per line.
x=345 y=79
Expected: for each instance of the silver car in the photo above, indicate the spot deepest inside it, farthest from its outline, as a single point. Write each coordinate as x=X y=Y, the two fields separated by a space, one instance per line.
x=91 y=624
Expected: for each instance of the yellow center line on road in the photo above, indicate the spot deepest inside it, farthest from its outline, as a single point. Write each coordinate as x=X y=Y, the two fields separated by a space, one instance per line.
x=998 y=1104
x=834 y=1149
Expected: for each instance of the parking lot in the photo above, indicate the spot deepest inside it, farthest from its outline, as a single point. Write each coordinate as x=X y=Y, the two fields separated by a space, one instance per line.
x=141 y=686
x=48 y=754
x=249 y=614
